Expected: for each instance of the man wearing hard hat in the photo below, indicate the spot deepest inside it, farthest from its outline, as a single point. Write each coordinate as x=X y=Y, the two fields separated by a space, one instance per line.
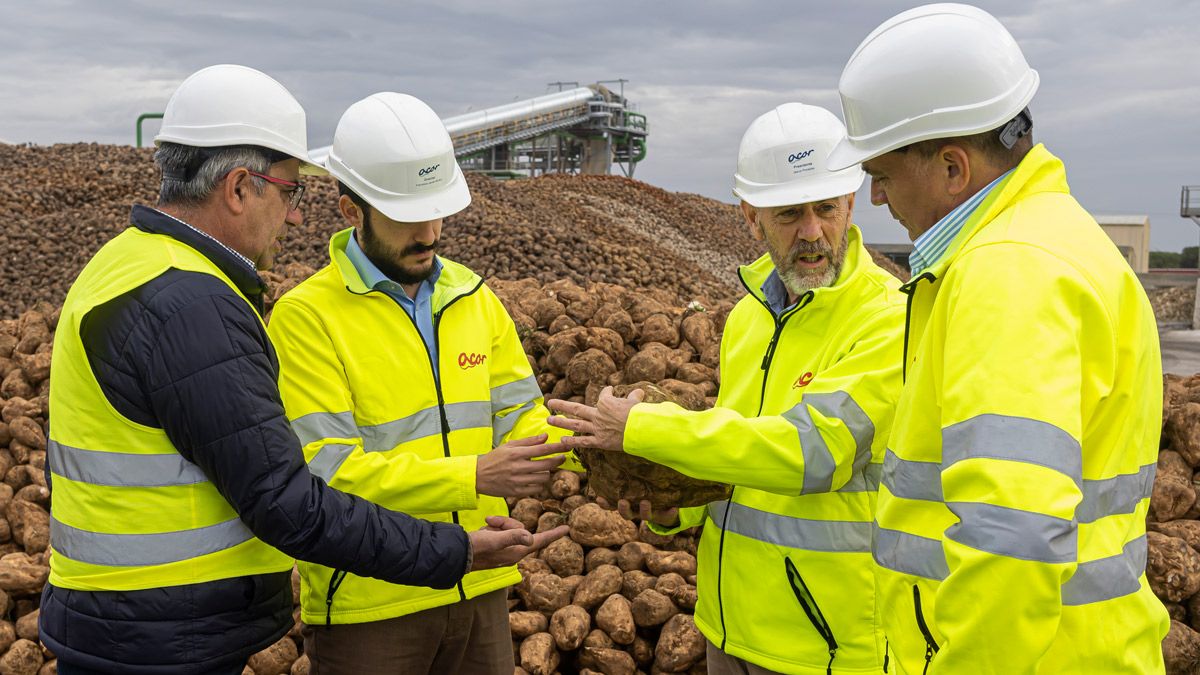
x=181 y=494
x=809 y=380
x=1011 y=531
x=406 y=381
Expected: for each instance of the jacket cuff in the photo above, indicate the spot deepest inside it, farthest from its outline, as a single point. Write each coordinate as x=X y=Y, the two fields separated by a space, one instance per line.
x=466 y=475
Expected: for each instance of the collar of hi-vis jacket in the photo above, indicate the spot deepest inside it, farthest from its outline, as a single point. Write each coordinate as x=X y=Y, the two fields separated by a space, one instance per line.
x=455 y=281
x=1039 y=171
x=755 y=274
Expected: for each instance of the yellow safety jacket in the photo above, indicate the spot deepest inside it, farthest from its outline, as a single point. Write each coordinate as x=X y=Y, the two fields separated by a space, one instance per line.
x=359 y=387
x=1011 y=526
x=129 y=511
x=805 y=407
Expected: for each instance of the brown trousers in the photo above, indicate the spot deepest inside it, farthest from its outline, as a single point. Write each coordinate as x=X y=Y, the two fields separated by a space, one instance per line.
x=720 y=663
x=469 y=637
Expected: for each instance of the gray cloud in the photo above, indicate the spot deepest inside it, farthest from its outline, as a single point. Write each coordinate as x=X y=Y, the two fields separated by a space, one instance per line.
x=1118 y=101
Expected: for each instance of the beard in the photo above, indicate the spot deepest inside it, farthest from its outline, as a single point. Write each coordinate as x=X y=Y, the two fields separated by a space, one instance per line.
x=798 y=280
x=387 y=258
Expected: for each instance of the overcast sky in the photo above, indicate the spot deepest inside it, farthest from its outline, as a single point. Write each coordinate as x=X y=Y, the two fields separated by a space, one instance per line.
x=1119 y=97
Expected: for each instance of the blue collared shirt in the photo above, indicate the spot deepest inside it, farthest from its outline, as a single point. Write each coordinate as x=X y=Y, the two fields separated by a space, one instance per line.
x=935 y=242
x=419 y=308
x=776 y=294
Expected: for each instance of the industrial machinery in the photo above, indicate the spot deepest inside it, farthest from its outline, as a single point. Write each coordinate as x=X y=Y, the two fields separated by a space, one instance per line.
x=1189 y=203
x=579 y=130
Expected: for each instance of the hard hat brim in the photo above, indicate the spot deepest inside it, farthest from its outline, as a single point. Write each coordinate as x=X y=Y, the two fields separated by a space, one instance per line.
x=412 y=208
x=797 y=192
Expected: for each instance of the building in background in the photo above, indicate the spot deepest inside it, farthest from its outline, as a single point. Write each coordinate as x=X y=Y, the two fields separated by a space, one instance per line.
x=1131 y=234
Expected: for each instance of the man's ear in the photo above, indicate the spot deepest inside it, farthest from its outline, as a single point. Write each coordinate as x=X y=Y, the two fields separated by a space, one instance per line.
x=955 y=163
x=235 y=189
x=751 y=215
x=350 y=212
x=849 y=207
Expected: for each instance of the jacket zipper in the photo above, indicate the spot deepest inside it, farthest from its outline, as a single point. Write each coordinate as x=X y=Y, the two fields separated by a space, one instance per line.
x=768 y=357
x=437 y=379
x=335 y=581
x=910 y=289
x=931 y=645
x=809 y=604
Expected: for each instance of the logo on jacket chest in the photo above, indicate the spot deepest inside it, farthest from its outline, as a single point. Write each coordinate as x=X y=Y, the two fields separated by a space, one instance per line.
x=468 y=360
x=803 y=380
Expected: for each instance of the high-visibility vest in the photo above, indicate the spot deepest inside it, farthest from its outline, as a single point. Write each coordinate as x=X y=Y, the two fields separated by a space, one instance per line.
x=1011 y=529
x=785 y=577
x=129 y=511
x=358 y=384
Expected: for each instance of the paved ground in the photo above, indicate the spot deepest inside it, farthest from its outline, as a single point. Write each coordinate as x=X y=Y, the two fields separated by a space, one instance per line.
x=1181 y=351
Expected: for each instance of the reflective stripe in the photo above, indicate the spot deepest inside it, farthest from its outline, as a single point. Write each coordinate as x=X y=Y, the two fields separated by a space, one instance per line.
x=515 y=393
x=813 y=535
x=137 y=550
x=912 y=480
x=1013 y=533
x=1107 y=578
x=427 y=422
x=320 y=425
x=1017 y=439
x=866 y=480
x=819 y=464
x=122 y=469
x=1112 y=496
x=502 y=426
x=329 y=459
x=910 y=554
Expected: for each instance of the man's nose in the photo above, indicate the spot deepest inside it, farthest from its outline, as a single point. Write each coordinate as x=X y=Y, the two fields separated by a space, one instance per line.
x=878 y=196
x=295 y=217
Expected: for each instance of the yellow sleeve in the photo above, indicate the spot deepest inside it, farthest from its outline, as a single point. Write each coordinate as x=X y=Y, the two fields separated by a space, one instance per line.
x=1011 y=471
x=318 y=401
x=839 y=425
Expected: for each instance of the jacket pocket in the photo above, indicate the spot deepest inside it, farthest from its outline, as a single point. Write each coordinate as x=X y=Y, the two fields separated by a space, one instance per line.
x=809 y=604
x=931 y=645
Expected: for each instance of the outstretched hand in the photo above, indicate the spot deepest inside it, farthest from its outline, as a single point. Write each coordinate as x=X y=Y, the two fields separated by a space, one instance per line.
x=511 y=470
x=601 y=427
x=505 y=540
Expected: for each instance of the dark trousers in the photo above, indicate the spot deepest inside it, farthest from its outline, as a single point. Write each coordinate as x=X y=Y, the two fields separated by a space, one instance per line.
x=469 y=637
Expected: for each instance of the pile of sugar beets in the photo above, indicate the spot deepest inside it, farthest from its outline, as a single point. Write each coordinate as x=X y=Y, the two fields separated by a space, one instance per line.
x=613 y=597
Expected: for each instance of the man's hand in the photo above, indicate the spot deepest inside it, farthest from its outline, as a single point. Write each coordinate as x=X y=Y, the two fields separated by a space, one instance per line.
x=601 y=427
x=504 y=541
x=668 y=518
x=511 y=470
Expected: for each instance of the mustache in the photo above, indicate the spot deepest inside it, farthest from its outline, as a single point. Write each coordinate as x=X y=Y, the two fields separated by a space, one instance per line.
x=412 y=249
x=810 y=247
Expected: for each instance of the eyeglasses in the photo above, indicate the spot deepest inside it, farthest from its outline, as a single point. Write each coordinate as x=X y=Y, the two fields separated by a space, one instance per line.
x=295 y=193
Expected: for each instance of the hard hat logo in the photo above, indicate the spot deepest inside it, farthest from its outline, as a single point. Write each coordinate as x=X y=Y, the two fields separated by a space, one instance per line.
x=797 y=156
x=428 y=170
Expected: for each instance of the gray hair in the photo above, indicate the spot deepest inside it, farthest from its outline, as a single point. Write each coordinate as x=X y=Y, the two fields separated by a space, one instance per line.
x=190 y=174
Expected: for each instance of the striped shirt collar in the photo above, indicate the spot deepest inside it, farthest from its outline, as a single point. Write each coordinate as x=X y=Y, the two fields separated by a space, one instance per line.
x=934 y=243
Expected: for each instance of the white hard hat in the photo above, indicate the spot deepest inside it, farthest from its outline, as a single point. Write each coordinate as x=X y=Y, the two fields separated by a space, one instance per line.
x=393 y=151
x=782 y=158
x=235 y=105
x=937 y=71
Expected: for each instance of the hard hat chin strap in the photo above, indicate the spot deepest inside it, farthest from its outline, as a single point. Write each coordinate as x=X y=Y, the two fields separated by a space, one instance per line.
x=1016 y=128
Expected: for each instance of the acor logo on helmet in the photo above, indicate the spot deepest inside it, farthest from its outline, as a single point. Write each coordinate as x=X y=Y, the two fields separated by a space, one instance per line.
x=428 y=170
x=797 y=156
x=467 y=361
